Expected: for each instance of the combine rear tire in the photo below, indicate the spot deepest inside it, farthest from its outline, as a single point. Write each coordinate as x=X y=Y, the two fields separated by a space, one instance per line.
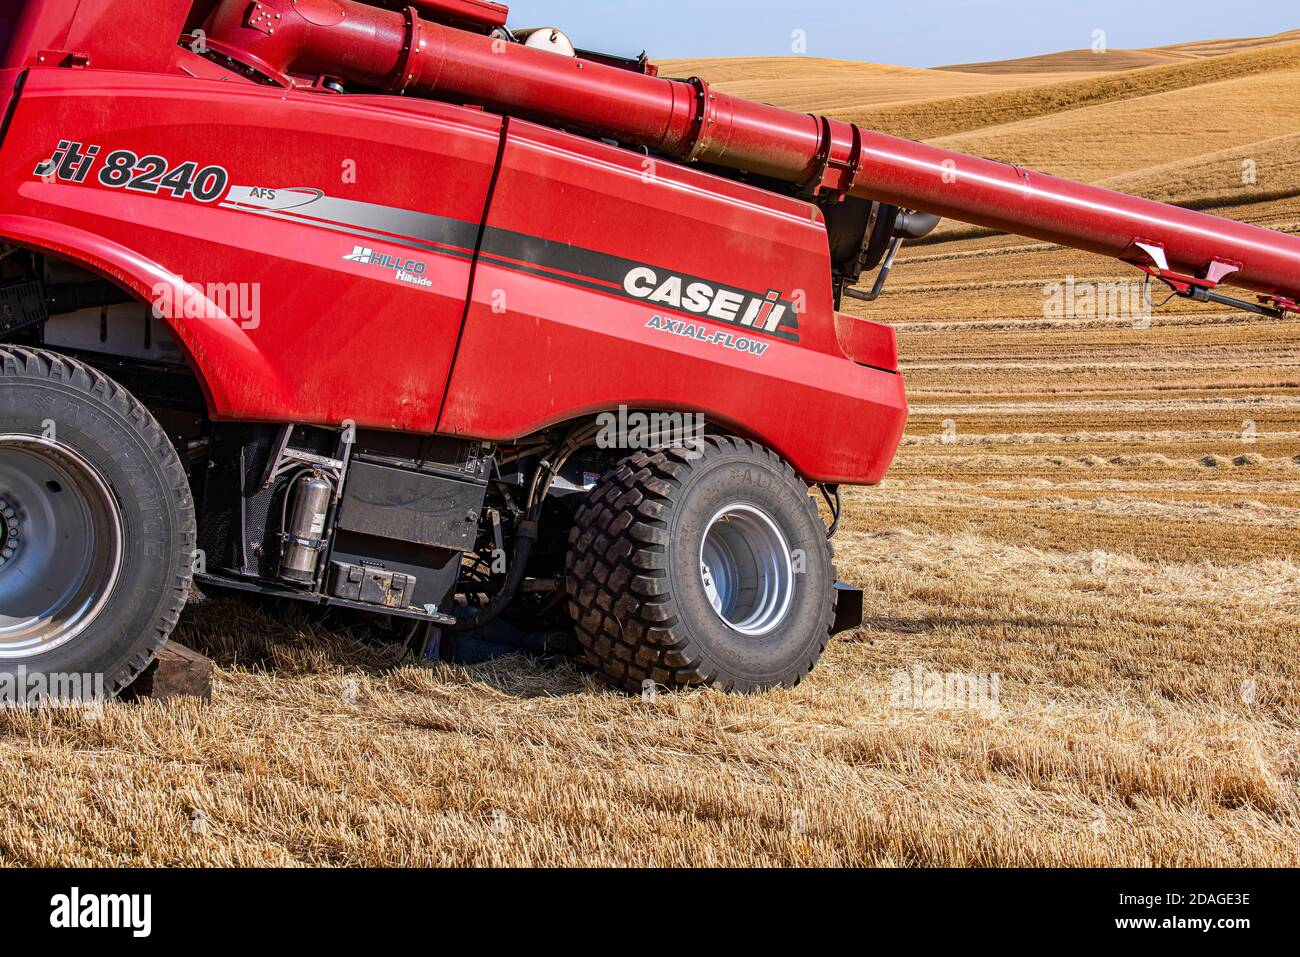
x=701 y=567
x=98 y=531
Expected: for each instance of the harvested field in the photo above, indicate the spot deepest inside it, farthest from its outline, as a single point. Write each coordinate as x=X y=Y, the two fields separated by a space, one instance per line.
x=1098 y=517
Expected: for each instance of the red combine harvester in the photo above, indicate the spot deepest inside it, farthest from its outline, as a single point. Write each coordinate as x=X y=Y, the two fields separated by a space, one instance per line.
x=387 y=307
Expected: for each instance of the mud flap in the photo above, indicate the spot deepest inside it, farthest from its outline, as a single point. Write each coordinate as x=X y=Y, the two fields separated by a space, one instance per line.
x=848 y=608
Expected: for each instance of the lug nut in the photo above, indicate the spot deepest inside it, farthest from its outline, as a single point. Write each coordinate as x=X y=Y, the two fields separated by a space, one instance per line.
x=8 y=532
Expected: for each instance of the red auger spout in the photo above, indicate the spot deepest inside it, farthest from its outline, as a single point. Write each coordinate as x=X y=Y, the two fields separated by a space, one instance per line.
x=690 y=122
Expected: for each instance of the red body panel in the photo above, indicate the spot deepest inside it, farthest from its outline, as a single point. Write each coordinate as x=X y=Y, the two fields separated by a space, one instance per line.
x=339 y=341
x=868 y=343
x=9 y=82
x=561 y=349
x=143 y=32
x=334 y=341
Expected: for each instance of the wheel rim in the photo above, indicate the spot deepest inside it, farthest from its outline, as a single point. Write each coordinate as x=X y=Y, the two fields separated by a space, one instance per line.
x=61 y=545
x=747 y=569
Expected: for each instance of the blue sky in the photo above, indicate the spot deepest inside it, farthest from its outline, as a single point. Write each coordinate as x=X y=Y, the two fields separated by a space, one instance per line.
x=908 y=32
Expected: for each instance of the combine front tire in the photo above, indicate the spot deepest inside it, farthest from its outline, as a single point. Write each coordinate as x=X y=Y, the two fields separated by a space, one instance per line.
x=705 y=566
x=96 y=530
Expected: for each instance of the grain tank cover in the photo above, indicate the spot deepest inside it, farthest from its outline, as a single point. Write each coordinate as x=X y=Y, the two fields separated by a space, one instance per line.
x=549 y=39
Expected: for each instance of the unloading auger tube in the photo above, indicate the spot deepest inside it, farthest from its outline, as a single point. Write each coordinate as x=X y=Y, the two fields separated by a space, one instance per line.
x=685 y=119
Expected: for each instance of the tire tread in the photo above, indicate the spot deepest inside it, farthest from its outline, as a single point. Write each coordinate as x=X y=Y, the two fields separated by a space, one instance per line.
x=22 y=362
x=626 y=620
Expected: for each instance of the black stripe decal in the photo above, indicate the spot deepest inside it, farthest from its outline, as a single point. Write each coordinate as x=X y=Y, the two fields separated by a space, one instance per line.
x=520 y=252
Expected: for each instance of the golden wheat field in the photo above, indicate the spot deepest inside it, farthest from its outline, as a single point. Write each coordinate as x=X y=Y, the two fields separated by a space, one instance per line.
x=1102 y=514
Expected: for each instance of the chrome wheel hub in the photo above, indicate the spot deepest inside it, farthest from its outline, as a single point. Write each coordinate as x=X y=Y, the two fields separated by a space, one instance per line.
x=747 y=569
x=61 y=545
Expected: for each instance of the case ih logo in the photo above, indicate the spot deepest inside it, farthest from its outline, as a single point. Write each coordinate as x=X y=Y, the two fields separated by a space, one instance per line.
x=406 y=270
x=763 y=313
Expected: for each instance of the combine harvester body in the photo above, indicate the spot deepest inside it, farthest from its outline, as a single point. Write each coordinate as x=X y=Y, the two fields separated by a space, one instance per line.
x=380 y=270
